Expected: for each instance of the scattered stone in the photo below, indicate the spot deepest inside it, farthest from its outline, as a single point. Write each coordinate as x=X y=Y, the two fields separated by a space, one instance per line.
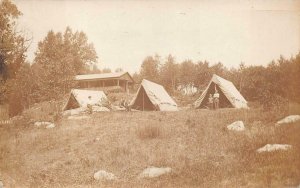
x=78 y=117
x=236 y=126
x=152 y=172
x=50 y=126
x=97 y=139
x=43 y=123
x=103 y=175
x=288 y=119
x=274 y=147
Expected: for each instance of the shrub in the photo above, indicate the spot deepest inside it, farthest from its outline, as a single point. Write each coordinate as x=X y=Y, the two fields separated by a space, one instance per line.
x=106 y=103
x=271 y=101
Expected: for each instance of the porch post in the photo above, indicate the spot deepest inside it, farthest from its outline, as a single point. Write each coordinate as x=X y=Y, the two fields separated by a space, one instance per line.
x=127 y=89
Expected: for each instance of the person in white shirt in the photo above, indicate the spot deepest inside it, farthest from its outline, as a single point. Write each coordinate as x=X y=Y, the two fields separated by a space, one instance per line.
x=216 y=99
x=210 y=102
x=89 y=105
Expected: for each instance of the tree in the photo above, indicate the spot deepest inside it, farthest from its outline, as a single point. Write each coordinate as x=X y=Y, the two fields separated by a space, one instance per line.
x=218 y=69
x=150 y=68
x=59 y=58
x=294 y=79
x=137 y=77
x=106 y=70
x=169 y=74
x=12 y=46
x=22 y=89
x=203 y=74
x=119 y=70
x=187 y=73
x=95 y=70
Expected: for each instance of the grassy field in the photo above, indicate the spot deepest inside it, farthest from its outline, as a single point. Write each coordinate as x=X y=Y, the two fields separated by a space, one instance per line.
x=194 y=143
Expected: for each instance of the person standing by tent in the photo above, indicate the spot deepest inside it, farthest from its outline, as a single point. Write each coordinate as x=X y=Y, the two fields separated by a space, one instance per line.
x=89 y=105
x=210 y=102
x=216 y=99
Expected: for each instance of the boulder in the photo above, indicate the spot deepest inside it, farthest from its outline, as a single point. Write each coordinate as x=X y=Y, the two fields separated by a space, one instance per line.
x=274 y=147
x=50 y=126
x=103 y=175
x=236 y=126
x=44 y=123
x=288 y=119
x=152 y=172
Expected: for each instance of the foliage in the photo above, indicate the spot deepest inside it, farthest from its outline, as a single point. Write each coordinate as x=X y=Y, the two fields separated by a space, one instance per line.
x=106 y=70
x=58 y=59
x=119 y=70
x=61 y=56
x=22 y=90
x=272 y=86
x=150 y=68
x=13 y=46
x=169 y=73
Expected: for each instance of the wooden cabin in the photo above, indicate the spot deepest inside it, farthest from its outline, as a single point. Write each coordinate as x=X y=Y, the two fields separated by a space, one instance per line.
x=109 y=82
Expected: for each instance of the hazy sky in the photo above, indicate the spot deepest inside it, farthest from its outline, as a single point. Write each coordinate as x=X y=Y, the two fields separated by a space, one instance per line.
x=125 y=32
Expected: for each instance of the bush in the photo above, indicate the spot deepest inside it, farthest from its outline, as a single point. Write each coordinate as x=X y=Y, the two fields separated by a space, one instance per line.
x=271 y=101
x=106 y=103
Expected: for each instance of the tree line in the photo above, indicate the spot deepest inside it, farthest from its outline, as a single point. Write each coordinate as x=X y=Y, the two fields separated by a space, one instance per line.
x=62 y=55
x=271 y=85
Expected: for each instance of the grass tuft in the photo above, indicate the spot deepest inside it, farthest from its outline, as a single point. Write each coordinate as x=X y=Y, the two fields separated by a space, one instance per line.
x=148 y=132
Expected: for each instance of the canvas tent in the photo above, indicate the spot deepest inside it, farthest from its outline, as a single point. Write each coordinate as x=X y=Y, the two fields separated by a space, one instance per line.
x=153 y=97
x=229 y=95
x=81 y=98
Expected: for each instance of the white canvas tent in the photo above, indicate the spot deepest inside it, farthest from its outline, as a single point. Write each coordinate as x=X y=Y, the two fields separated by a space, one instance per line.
x=153 y=97
x=80 y=98
x=229 y=95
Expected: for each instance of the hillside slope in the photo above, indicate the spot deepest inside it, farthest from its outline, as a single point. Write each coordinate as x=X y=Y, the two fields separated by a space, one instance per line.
x=194 y=143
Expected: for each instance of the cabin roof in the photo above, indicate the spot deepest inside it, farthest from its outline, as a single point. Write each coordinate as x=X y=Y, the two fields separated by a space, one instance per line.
x=102 y=76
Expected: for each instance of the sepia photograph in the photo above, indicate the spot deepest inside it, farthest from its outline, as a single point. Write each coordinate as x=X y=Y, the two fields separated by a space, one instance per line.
x=150 y=93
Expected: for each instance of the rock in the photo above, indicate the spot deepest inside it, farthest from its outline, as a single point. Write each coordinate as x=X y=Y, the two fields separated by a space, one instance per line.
x=274 y=147
x=42 y=123
x=236 y=126
x=152 y=172
x=103 y=175
x=97 y=139
x=1 y=184
x=288 y=119
x=50 y=126
x=78 y=117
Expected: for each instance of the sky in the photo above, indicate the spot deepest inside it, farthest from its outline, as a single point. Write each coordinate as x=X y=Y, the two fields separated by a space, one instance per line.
x=125 y=32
